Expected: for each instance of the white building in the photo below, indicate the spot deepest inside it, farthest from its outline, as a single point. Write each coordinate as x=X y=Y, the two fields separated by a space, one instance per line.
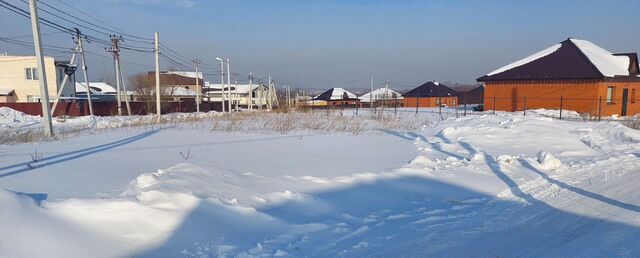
x=19 y=79
x=240 y=95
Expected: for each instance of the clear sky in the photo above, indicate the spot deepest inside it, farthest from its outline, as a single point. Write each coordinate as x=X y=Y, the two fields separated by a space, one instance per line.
x=333 y=43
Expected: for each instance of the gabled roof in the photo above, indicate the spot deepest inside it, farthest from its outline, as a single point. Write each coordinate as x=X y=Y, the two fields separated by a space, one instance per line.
x=381 y=93
x=430 y=89
x=570 y=59
x=336 y=94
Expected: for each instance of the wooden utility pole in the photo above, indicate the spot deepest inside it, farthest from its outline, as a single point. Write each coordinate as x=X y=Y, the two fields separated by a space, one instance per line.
x=42 y=75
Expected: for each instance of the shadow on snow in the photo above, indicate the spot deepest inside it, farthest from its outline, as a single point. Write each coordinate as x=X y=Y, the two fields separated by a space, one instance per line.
x=406 y=216
x=63 y=157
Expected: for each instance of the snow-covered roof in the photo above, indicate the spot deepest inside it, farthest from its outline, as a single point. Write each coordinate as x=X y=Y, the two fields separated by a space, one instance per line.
x=96 y=88
x=570 y=59
x=528 y=59
x=242 y=88
x=6 y=92
x=186 y=74
x=336 y=94
x=608 y=64
x=381 y=93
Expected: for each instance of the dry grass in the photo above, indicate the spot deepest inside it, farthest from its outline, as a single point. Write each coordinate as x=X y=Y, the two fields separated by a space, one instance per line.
x=633 y=122
x=330 y=121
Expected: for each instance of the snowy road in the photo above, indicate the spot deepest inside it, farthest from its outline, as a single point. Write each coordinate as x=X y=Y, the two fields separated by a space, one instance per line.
x=483 y=186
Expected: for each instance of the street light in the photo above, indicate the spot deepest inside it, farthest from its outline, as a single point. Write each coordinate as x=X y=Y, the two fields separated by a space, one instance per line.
x=221 y=80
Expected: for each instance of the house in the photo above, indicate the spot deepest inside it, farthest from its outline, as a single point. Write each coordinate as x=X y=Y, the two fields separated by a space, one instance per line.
x=177 y=85
x=470 y=96
x=101 y=92
x=430 y=94
x=337 y=97
x=19 y=79
x=382 y=97
x=241 y=94
x=575 y=74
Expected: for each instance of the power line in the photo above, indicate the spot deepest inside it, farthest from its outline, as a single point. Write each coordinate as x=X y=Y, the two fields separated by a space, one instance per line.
x=149 y=41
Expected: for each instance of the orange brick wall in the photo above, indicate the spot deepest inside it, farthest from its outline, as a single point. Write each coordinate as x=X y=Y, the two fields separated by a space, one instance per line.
x=579 y=95
x=429 y=102
x=633 y=105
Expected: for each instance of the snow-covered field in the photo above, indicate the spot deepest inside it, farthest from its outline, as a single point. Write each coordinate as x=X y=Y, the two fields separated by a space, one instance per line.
x=502 y=185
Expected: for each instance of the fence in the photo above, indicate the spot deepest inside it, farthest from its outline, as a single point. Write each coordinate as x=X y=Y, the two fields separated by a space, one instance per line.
x=578 y=109
x=111 y=109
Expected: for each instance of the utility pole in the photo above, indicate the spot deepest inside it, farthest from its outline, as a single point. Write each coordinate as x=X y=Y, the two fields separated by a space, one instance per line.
x=42 y=75
x=261 y=97
x=84 y=69
x=197 y=62
x=115 y=51
x=250 y=91
x=289 y=97
x=124 y=88
x=236 y=97
x=371 y=95
x=229 y=81
x=386 y=90
x=221 y=81
x=71 y=70
x=156 y=43
x=268 y=97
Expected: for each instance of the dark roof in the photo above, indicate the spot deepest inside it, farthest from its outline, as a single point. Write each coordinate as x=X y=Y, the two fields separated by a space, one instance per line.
x=430 y=89
x=566 y=62
x=471 y=96
x=170 y=79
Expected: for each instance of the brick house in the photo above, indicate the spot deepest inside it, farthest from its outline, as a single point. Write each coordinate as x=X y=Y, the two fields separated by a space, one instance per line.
x=576 y=74
x=430 y=94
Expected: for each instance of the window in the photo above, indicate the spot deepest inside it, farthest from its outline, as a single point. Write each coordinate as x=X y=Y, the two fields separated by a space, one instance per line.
x=437 y=101
x=610 y=94
x=31 y=74
x=633 y=95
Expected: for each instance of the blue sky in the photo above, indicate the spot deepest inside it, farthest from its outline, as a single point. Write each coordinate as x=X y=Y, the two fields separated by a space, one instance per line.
x=330 y=43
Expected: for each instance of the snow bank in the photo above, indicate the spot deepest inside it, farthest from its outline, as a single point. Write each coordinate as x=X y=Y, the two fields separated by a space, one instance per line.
x=10 y=118
x=548 y=161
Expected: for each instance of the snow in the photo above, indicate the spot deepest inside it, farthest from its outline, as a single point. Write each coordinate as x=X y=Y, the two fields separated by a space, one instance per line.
x=380 y=94
x=96 y=88
x=186 y=74
x=10 y=118
x=528 y=59
x=608 y=64
x=485 y=185
x=338 y=93
x=6 y=92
